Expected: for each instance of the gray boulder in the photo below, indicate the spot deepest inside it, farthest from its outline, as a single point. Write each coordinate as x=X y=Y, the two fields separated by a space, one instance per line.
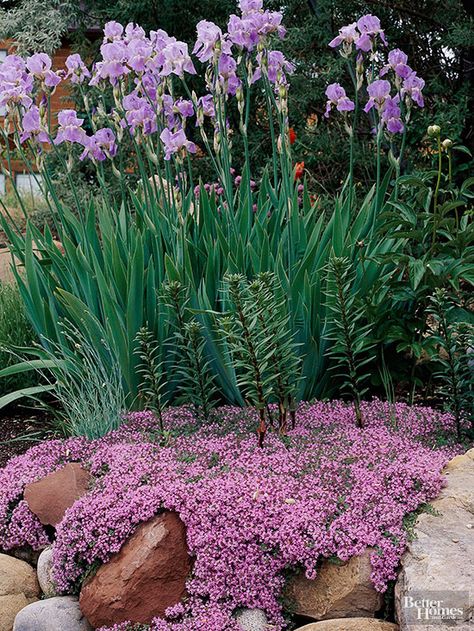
x=44 y=571
x=61 y=613
x=438 y=565
x=252 y=620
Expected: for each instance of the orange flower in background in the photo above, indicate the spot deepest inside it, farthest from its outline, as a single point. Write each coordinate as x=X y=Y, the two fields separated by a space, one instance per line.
x=292 y=135
x=299 y=170
x=311 y=122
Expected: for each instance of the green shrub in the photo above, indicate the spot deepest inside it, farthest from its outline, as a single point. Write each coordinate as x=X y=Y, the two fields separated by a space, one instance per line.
x=15 y=331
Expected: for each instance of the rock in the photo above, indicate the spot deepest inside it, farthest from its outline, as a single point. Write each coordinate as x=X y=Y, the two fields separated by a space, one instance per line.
x=338 y=591
x=252 y=620
x=350 y=624
x=9 y=607
x=146 y=577
x=44 y=571
x=61 y=613
x=50 y=497
x=18 y=588
x=26 y=554
x=439 y=562
x=17 y=577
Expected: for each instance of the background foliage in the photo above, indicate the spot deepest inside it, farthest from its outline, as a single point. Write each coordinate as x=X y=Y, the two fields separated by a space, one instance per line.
x=15 y=330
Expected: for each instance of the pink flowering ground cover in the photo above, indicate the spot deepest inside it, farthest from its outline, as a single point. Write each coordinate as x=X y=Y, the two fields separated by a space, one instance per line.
x=328 y=489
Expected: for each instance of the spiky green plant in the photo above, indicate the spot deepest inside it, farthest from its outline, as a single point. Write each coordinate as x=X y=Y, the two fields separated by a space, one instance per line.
x=261 y=349
x=455 y=342
x=352 y=347
x=195 y=380
x=151 y=370
x=285 y=366
x=248 y=349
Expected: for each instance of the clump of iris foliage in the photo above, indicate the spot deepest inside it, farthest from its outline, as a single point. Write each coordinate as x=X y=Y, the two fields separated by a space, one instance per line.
x=328 y=490
x=269 y=292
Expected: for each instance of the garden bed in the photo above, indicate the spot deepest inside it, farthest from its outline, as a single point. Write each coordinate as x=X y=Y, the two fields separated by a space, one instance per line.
x=19 y=429
x=253 y=516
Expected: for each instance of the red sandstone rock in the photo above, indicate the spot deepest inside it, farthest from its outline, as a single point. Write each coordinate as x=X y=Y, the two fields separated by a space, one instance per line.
x=50 y=497
x=146 y=577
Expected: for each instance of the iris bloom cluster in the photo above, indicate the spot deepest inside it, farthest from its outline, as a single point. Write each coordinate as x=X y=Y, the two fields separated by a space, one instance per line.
x=329 y=490
x=392 y=97
x=144 y=72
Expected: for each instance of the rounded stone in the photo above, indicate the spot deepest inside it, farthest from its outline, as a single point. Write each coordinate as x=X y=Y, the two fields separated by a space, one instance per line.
x=141 y=581
x=60 y=613
x=252 y=620
x=44 y=570
x=27 y=554
x=50 y=497
x=350 y=624
x=9 y=607
x=18 y=588
x=343 y=590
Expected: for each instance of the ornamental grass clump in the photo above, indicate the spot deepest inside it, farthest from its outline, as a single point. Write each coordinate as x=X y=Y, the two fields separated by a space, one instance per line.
x=330 y=489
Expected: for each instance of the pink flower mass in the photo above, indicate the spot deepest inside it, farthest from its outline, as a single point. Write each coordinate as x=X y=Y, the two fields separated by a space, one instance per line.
x=329 y=490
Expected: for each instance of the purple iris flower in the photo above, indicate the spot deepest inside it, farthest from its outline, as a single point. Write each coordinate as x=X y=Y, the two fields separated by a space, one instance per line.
x=277 y=67
x=176 y=60
x=160 y=38
x=148 y=83
x=165 y=107
x=249 y=6
x=100 y=146
x=391 y=116
x=184 y=107
x=369 y=27
x=114 y=55
x=175 y=141
x=134 y=32
x=268 y=22
x=242 y=32
x=337 y=98
x=379 y=92
x=16 y=84
x=247 y=31
x=138 y=53
x=347 y=35
x=227 y=68
x=397 y=61
x=208 y=35
x=39 y=65
x=139 y=114
x=31 y=126
x=412 y=87
x=70 y=128
x=205 y=107
x=76 y=69
x=113 y=30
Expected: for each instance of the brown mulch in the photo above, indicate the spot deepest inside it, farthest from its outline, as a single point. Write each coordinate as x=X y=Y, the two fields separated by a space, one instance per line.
x=20 y=429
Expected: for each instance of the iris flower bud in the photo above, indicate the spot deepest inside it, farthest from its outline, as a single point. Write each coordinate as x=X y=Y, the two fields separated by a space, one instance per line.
x=434 y=130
